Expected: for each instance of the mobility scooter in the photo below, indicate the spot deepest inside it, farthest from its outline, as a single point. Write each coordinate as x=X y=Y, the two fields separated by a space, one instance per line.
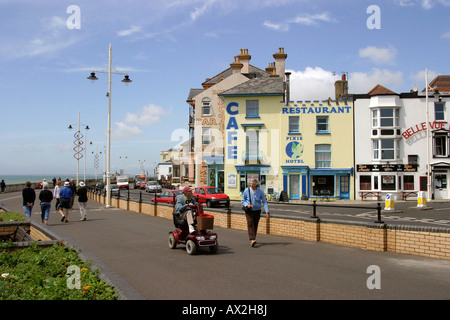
x=199 y=238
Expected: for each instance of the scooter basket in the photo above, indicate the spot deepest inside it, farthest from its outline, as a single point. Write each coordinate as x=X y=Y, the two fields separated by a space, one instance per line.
x=205 y=222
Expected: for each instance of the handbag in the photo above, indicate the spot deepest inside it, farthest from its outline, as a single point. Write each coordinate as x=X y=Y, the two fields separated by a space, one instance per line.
x=246 y=209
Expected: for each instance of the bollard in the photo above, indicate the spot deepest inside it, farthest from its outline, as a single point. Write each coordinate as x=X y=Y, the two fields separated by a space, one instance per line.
x=421 y=200
x=389 y=203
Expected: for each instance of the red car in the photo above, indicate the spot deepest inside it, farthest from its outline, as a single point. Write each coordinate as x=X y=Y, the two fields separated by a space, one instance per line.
x=142 y=184
x=167 y=196
x=211 y=196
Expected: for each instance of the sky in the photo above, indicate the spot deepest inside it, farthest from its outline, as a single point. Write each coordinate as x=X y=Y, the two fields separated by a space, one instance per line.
x=49 y=47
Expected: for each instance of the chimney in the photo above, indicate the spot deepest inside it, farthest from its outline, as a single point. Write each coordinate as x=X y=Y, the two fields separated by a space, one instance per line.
x=280 y=62
x=236 y=66
x=288 y=88
x=341 y=88
x=244 y=58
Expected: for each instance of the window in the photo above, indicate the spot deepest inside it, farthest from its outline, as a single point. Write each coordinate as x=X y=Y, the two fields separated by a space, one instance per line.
x=252 y=145
x=206 y=107
x=440 y=145
x=322 y=124
x=252 y=108
x=386 y=149
x=439 y=108
x=323 y=156
x=294 y=124
x=365 y=183
x=385 y=117
x=413 y=159
x=388 y=183
x=206 y=135
x=408 y=182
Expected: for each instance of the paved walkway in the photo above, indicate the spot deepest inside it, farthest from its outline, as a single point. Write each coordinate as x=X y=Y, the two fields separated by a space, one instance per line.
x=132 y=251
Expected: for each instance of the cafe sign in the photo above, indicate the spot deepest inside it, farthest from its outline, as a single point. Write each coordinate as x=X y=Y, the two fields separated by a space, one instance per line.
x=386 y=168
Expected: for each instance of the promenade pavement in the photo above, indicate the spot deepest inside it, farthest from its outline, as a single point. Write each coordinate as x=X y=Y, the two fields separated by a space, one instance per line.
x=131 y=249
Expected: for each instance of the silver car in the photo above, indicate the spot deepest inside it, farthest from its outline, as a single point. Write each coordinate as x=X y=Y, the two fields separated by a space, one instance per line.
x=153 y=186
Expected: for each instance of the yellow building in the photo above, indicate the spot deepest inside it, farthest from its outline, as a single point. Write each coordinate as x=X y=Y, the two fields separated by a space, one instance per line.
x=304 y=148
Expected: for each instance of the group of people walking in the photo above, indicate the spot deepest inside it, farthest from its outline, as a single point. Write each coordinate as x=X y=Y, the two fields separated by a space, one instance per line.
x=64 y=197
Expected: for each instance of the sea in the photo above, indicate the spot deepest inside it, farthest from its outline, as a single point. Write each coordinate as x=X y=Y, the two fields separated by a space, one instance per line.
x=19 y=179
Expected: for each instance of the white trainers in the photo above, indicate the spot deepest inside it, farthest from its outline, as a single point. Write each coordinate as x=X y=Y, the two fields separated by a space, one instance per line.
x=191 y=228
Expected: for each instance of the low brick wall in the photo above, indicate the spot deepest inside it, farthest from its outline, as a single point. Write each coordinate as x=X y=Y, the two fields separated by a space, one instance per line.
x=421 y=241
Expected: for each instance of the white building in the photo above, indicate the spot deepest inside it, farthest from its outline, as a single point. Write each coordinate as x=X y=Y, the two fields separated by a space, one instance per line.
x=391 y=142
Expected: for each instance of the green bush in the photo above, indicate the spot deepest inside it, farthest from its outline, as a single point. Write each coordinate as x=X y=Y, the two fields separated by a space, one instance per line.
x=12 y=216
x=38 y=273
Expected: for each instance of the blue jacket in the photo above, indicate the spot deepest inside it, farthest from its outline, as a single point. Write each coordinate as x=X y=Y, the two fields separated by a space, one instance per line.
x=256 y=199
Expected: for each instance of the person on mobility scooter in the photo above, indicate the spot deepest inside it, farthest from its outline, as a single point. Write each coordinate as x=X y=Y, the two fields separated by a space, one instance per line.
x=184 y=218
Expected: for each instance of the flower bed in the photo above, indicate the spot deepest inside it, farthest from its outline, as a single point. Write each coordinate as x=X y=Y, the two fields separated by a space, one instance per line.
x=49 y=273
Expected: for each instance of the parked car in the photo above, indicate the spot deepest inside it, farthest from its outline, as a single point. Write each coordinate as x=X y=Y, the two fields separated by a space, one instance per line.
x=142 y=184
x=211 y=196
x=153 y=186
x=114 y=189
x=99 y=185
x=167 y=196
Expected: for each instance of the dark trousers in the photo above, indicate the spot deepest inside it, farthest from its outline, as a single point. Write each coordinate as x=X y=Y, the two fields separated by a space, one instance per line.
x=252 y=223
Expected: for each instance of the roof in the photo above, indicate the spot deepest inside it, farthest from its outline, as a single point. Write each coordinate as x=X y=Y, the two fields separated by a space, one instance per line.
x=380 y=90
x=253 y=72
x=441 y=82
x=193 y=93
x=256 y=87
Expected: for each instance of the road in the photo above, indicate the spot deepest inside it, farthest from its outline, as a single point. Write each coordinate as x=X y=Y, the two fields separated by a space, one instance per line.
x=135 y=246
x=437 y=216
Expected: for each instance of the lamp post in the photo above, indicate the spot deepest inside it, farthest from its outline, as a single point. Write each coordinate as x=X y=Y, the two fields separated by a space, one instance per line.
x=436 y=95
x=125 y=80
x=78 y=144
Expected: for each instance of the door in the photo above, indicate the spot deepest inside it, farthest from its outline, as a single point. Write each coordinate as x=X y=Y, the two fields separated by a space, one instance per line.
x=345 y=187
x=294 y=186
x=440 y=186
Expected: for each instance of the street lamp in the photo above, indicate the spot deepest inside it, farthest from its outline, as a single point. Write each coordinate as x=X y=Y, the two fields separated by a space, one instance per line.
x=79 y=145
x=127 y=81
x=437 y=96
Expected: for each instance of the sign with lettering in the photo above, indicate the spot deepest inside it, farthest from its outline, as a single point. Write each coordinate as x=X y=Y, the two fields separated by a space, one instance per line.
x=435 y=125
x=386 y=168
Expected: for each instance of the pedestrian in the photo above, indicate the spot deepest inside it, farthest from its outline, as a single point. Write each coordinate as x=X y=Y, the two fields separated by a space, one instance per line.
x=56 y=193
x=46 y=197
x=73 y=187
x=54 y=182
x=65 y=196
x=184 y=208
x=82 y=200
x=28 y=197
x=251 y=200
x=2 y=186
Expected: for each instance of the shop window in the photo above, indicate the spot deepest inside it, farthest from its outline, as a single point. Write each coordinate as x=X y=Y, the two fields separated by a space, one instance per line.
x=365 y=182
x=388 y=183
x=323 y=186
x=252 y=109
x=408 y=182
x=294 y=124
x=323 y=156
x=440 y=181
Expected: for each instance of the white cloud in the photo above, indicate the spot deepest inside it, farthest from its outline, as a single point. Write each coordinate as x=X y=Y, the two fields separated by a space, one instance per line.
x=129 y=32
x=311 y=84
x=363 y=82
x=446 y=35
x=130 y=127
x=198 y=12
x=304 y=19
x=379 y=55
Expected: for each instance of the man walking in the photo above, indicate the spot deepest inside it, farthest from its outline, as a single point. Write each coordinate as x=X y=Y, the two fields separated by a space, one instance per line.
x=82 y=199
x=46 y=197
x=251 y=199
x=28 y=196
x=65 y=196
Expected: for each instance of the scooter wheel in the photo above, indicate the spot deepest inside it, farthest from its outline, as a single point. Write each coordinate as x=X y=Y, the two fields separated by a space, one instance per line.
x=191 y=247
x=172 y=242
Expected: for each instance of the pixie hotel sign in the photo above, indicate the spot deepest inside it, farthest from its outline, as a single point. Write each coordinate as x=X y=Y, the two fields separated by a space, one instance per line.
x=435 y=125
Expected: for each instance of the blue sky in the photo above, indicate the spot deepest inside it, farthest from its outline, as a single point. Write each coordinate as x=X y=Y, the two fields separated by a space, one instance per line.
x=170 y=46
